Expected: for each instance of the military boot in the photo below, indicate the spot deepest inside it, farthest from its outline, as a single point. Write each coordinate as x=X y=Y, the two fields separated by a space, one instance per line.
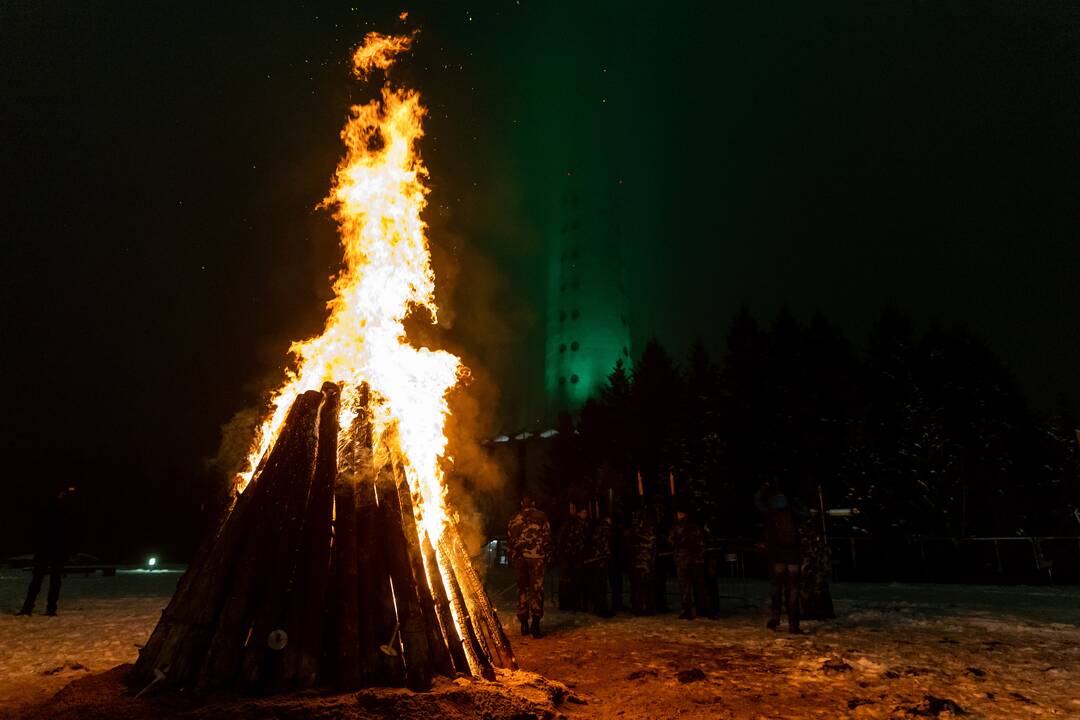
x=524 y=627
x=535 y=629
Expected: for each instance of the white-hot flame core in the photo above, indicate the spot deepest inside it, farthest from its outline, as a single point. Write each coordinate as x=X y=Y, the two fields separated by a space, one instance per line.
x=378 y=196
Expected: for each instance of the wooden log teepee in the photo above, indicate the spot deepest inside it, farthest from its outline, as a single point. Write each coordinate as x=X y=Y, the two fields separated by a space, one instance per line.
x=320 y=575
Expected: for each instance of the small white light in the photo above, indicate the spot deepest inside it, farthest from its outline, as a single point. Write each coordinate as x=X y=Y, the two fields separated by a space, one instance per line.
x=152 y=561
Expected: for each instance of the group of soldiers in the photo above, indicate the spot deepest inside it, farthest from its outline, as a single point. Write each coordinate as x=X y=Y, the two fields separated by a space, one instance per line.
x=592 y=557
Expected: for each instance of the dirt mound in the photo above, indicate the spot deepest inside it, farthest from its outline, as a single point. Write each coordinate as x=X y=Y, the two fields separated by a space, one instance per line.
x=517 y=695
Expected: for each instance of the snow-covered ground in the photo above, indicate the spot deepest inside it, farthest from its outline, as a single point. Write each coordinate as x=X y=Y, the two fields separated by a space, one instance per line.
x=100 y=623
x=895 y=651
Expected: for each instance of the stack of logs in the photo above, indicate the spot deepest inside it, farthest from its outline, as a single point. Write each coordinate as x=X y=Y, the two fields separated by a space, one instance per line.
x=320 y=576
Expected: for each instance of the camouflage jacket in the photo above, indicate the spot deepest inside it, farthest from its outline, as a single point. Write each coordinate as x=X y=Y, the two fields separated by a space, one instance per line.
x=643 y=545
x=573 y=542
x=529 y=534
x=687 y=541
x=601 y=541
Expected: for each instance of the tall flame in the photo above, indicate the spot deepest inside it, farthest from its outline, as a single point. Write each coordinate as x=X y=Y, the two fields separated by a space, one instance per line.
x=378 y=196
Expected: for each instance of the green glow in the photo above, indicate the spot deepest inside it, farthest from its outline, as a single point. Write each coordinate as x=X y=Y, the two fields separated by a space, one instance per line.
x=587 y=325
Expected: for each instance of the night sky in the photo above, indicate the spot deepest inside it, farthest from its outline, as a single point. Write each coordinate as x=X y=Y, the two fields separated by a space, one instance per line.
x=162 y=163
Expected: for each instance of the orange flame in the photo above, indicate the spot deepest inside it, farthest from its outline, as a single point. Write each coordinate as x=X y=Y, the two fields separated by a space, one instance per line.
x=378 y=52
x=378 y=196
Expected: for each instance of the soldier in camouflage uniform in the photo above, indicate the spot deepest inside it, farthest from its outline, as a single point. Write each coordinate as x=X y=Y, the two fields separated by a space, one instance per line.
x=572 y=548
x=643 y=565
x=688 y=546
x=597 y=566
x=815 y=599
x=529 y=549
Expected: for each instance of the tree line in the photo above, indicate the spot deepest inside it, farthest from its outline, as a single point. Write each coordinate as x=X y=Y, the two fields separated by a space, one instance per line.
x=926 y=434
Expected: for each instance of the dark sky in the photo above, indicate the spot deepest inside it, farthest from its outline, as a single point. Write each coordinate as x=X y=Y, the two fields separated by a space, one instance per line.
x=162 y=162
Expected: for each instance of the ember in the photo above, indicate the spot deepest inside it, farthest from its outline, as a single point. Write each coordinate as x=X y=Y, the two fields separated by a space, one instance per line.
x=339 y=564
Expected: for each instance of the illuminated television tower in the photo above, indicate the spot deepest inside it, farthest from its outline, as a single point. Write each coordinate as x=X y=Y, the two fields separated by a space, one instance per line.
x=588 y=328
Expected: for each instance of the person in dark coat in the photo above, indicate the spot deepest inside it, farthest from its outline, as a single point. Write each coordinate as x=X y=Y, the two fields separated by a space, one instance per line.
x=643 y=564
x=782 y=550
x=597 y=566
x=688 y=550
x=572 y=547
x=51 y=549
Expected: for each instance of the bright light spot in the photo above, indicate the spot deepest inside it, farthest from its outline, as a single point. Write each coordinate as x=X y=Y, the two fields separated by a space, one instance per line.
x=152 y=561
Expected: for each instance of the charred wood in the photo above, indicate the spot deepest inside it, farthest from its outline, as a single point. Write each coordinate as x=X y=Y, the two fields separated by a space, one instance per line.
x=478 y=651
x=414 y=638
x=307 y=611
x=293 y=456
x=442 y=610
x=489 y=618
x=345 y=635
x=441 y=661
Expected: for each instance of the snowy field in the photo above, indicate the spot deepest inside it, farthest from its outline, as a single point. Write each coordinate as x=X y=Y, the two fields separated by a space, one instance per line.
x=100 y=623
x=895 y=651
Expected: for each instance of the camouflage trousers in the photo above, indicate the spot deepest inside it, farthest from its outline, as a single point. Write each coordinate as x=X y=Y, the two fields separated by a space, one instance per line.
x=530 y=582
x=642 y=591
x=692 y=588
x=784 y=590
x=573 y=588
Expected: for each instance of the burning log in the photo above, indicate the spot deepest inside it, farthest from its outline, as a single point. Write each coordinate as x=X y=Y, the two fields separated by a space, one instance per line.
x=441 y=661
x=258 y=575
x=484 y=609
x=414 y=639
x=442 y=609
x=378 y=618
x=344 y=561
x=474 y=649
x=307 y=612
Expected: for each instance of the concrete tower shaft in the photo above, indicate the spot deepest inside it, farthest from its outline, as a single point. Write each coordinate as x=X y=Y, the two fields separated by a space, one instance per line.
x=588 y=329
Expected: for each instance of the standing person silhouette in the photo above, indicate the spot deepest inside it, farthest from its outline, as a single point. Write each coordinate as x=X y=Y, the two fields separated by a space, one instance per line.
x=51 y=527
x=782 y=547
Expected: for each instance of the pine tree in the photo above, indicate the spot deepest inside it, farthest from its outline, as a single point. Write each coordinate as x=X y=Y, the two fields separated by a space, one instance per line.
x=899 y=429
x=743 y=415
x=657 y=402
x=701 y=466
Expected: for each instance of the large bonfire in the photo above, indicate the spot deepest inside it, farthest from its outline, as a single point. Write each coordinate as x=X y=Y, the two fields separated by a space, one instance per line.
x=339 y=563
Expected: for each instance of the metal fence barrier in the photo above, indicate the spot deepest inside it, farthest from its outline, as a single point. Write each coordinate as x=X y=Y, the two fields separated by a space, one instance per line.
x=1017 y=559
